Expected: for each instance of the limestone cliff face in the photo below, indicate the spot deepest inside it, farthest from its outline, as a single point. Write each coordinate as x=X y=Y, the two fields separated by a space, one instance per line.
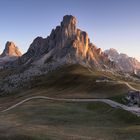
x=66 y=42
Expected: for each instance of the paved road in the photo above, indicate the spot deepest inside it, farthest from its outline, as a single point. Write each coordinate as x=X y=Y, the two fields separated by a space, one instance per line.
x=134 y=110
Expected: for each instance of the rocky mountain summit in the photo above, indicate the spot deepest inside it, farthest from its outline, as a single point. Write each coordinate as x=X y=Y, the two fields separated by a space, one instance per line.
x=66 y=44
x=10 y=53
x=123 y=61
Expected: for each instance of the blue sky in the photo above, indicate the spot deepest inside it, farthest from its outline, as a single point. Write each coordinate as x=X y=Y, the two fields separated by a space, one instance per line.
x=109 y=23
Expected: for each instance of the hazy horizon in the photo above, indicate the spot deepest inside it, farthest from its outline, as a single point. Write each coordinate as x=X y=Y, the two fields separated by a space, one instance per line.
x=110 y=23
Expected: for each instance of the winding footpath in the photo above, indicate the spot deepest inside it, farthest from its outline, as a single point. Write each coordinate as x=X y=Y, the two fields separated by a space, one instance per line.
x=128 y=85
x=134 y=110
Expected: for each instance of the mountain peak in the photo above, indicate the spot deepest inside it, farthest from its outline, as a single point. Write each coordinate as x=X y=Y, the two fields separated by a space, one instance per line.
x=113 y=53
x=11 y=50
x=112 y=49
x=69 y=20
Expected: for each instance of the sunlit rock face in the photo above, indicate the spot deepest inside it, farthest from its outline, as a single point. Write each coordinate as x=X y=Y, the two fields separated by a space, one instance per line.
x=11 y=50
x=66 y=42
x=11 y=53
x=123 y=61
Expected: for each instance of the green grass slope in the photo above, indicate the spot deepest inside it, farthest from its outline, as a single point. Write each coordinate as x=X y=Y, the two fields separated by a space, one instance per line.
x=74 y=81
x=69 y=82
x=46 y=120
x=78 y=81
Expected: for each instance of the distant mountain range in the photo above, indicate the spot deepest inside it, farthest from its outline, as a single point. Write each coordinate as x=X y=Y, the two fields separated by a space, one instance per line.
x=123 y=61
x=66 y=45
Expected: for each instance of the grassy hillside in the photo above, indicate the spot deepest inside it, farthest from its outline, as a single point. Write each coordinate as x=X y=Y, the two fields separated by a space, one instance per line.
x=76 y=80
x=47 y=120
x=69 y=82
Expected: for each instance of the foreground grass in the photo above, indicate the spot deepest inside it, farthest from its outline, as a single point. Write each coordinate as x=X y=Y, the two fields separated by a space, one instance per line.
x=47 y=120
